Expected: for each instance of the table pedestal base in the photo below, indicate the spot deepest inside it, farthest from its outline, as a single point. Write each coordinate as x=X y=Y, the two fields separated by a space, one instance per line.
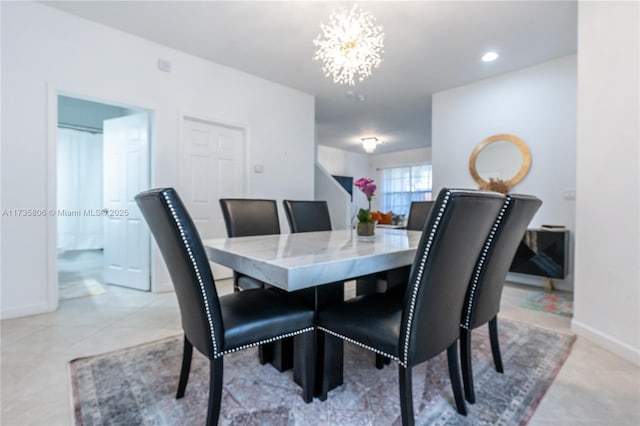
x=319 y=298
x=279 y=354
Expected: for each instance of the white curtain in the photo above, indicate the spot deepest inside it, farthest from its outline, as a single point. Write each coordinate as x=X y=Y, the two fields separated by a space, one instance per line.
x=79 y=190
x=402 y=185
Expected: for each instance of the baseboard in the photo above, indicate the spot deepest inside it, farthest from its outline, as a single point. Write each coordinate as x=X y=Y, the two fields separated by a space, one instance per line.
x=24 y=311
x=564 y=285
x=609 y=343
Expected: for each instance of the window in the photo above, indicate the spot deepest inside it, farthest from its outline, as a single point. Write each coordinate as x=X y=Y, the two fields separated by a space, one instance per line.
x=402 y=185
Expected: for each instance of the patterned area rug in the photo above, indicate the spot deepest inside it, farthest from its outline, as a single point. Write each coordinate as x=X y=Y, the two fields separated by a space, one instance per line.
x=136 y=386
x=554 y=303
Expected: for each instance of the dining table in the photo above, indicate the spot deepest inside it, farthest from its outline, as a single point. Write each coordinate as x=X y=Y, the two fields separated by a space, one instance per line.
x=313 y=266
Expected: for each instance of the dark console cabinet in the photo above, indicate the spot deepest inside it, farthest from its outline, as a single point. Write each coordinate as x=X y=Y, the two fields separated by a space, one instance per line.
x=544 y=253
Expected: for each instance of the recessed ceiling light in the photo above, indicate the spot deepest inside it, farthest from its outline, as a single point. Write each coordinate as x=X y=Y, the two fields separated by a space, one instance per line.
x=489 y=57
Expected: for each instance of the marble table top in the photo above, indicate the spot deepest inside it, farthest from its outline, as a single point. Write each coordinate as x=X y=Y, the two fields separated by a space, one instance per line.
x=296 y=261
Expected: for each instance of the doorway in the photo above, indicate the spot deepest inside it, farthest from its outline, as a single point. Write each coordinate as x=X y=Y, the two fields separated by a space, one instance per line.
x=102 y=162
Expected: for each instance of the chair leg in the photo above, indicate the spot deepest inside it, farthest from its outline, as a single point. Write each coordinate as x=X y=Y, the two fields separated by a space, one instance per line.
x=322 y=373
x=381 y=361
x=215 y=391
x=304 y=346
x=454 y=376
x=465 y=363
x=236 y=287
x=406 y=396
x=495 y=344
x=187 y=352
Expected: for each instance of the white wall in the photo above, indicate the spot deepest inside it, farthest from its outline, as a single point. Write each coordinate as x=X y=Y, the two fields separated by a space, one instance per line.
x=347 y=163
x=338 y=199
x=537 y=104
x=607 y=294
x=46 y=52
x=401 y=158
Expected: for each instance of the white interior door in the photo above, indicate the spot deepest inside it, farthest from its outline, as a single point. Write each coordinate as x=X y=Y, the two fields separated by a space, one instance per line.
x=212 y=166
x=126 y=173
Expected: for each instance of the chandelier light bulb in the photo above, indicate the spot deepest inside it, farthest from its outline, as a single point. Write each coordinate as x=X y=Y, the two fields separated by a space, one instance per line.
x=349 y=46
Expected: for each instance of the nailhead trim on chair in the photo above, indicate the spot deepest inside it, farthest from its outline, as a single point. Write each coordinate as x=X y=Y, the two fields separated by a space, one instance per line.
x=196 y=269
x=272 y=339
x=362 y=345
x=481 y=261
x=423 y=261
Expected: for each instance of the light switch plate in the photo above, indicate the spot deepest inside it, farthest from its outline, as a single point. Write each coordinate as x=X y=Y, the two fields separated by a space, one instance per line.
x=164 y=65
x=569 y=194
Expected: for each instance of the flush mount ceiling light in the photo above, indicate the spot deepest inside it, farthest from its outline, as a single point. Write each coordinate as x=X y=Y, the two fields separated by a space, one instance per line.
x=349 y=46
x=369 y=144
x=489 y=57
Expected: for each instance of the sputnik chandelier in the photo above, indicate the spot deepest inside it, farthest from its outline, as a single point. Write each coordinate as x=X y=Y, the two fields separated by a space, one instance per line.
x=349 y=46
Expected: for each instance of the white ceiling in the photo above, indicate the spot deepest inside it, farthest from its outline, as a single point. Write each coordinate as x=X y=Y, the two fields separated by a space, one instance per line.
x=430 y=46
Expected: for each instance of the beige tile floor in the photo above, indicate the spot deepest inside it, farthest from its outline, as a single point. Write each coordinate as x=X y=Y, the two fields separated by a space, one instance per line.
x=594 y=387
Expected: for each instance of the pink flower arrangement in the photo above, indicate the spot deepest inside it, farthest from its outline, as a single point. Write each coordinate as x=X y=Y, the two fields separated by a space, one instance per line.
x=368 y=188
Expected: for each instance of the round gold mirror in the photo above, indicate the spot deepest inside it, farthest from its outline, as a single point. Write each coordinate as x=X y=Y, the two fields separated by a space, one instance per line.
x=503 y=158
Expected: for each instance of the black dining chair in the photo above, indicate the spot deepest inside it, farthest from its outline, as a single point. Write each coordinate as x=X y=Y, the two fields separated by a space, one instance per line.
x=418 y=215
x=482 y=301
x=218 y=326
x=415 y=324
x=307 y=216
x=383 y=281
x=247 y=217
